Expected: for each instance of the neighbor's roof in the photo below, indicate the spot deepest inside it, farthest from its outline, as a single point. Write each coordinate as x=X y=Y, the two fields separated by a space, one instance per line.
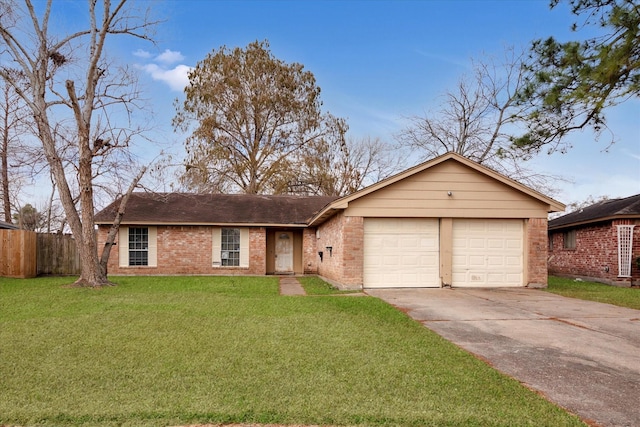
x=211 y=209
x=629 y=207
x=7 y=225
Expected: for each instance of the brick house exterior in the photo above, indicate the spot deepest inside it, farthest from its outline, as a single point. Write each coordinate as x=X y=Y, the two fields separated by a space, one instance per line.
x=340 y=239
x=599 y=243
x=537 y=248
x=184 y=233
x=216 y=234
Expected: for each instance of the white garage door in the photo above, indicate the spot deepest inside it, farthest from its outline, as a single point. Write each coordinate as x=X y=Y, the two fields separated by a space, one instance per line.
x=487 y=253
x=401 y=253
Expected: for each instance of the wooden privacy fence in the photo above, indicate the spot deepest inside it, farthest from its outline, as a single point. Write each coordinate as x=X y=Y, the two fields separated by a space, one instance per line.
x=27 y=254
x=17 y=253
x=57 y=255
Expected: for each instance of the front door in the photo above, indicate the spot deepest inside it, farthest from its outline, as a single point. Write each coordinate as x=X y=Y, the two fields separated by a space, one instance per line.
x=284 y=252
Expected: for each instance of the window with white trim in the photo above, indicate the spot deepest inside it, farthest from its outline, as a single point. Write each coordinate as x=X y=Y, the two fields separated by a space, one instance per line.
x=230 y=247
x=138 y=246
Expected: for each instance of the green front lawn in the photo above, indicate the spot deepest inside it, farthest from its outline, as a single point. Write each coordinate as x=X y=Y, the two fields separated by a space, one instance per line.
x=316 y=286
x=175 y=351
x=591 y=291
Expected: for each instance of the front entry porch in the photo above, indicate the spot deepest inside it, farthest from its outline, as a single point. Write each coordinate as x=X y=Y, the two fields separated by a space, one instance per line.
x=284 y=251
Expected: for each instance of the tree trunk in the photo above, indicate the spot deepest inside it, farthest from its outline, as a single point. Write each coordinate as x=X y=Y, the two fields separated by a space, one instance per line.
x=6 y=201
x=111 y=236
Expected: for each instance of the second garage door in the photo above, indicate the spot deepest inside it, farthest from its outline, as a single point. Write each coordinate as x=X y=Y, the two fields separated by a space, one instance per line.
x=401 y=252
x=487 y=253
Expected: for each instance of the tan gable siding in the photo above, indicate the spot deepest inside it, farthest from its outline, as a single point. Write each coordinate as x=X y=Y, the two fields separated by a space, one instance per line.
x=425 y=194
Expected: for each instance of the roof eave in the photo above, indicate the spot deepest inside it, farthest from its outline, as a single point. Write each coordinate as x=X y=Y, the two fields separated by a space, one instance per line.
x=593 y=221
x=211 y=224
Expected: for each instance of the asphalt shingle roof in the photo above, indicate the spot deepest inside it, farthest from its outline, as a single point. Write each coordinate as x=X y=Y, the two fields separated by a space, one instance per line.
x=628 y=206
x=215 y=208
x=8 y=226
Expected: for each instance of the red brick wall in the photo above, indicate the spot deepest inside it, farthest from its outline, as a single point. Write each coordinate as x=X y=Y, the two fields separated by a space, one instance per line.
x=330 y=234
x=353 y=241
x=310 y=256
x=596 y=254
x=343 y=264
x=184 y=250
x=257 y=250
x=537 y=252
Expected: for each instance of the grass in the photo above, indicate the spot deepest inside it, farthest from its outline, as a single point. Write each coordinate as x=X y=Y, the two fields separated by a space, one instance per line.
x=591 y=291
x=315 y=286
x=161 y=351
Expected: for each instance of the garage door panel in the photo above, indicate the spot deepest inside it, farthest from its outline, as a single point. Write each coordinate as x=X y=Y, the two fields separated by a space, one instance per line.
x=408 y=242
x=475 y=261
x=497 y=261
x=401 y=252
x=477 y=244
x=496 y=244
x=487 y=253
x=429 y=244
x=514 y=244
x=410 y=261
x=514 y=262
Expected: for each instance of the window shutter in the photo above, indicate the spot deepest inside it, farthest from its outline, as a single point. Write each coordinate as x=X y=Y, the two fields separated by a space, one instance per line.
x=123 y=246
x=152 y=259
x=217 y=246
x=244 y=247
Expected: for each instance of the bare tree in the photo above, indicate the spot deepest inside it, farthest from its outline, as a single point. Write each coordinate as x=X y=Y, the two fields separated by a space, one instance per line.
x=341 y=169
x=13 y=145
x=74 y=91
x=478 y=121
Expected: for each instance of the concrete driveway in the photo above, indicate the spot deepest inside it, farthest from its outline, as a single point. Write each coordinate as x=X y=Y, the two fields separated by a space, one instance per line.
x=581 y=355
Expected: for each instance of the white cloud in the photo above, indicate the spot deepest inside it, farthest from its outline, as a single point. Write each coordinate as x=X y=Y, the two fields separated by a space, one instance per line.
x=169 y=57
x=177 y=78
x=142 y=54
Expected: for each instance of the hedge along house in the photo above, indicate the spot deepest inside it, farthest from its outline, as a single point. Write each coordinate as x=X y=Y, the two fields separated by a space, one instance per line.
x=446 y=222
x=600 y=242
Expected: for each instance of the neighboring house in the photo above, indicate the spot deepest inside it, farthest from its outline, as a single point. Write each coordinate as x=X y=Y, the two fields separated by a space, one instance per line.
x=600 y=242
x=446 y=222
x=7 y=226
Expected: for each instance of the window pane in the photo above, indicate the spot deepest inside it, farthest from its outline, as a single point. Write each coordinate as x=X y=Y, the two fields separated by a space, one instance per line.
x=570 y=239
x=138 y=258
x=230 y=247
x=138 y=246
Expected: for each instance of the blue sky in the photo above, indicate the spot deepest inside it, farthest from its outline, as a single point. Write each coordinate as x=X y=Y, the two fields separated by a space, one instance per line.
x=378 y=62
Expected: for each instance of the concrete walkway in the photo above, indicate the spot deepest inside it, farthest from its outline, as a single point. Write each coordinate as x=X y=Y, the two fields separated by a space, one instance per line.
x=289 y=285
x=581 y=355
